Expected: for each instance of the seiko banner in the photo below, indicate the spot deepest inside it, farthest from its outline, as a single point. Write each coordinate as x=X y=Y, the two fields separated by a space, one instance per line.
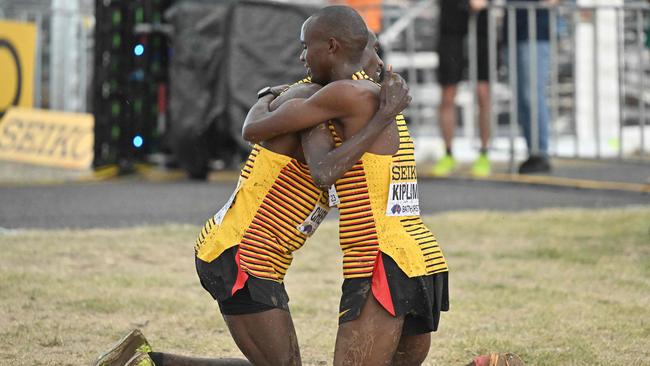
x=47 y=138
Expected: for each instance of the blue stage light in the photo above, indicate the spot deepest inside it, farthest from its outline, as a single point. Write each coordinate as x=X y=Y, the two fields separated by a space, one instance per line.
x=138 y=141
x=138 y=50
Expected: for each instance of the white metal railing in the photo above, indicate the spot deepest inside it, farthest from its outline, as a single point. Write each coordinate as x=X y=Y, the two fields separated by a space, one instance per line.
x=582 y=116
x=597 y=91
x=606 y=46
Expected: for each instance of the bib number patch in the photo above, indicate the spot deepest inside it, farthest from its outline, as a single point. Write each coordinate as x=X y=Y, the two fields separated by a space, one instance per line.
x=218 y=217
x=315 y=218
x=333 y=196
x=403 y=191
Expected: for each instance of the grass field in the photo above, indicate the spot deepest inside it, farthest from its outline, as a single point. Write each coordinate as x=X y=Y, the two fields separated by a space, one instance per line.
x=558 y=287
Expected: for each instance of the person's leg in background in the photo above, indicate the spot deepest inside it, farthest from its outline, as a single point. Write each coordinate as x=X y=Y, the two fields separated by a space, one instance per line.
x=543 y=72
x=537 y=161
x=523 y=90
x=483 y=90
x=448 y=117
x=450 y=70
x=481 y=166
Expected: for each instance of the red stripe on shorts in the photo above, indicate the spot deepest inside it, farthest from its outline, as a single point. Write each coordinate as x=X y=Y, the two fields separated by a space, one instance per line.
x=241 y=276
x=380 y=288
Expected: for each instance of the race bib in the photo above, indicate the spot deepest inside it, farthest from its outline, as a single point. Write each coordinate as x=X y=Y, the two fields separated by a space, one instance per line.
x=403 y=191
x=333 y=196
x=218 y=217
x=315 y=218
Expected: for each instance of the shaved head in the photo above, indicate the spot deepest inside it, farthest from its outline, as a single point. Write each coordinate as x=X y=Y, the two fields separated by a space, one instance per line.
x=345 y=25
x=373 y=65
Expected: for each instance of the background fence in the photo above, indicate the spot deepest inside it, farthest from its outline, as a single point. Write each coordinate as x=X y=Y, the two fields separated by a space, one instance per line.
x=598 y=87
x=597 y=90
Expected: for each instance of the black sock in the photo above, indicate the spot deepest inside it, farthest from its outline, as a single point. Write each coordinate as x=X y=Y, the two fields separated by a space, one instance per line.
x=448 y=151
x=483 y=151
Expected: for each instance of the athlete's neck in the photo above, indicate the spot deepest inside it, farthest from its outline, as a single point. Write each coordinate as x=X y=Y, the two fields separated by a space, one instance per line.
x=345 y=71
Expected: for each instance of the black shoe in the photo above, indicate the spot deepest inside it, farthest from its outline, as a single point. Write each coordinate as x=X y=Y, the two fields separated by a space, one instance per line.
x=535 y=164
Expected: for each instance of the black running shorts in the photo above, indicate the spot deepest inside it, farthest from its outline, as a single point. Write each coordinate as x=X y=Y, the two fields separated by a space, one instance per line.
x=236 y=292
x=419 y=299
x=453 y=56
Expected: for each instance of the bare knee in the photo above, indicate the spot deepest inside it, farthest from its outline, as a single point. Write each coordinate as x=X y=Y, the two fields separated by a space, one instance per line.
x=410 y=357
x=289 y=355
x=412 y=350
x=369 y=340
x=448 y=95
x=267 y=338
x=285 y=359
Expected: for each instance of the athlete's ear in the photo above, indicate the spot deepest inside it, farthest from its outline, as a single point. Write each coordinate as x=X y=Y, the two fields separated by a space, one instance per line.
x=333 y=45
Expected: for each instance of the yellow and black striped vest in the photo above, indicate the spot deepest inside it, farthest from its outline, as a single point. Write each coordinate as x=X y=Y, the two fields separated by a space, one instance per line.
x=275 y=195
x=364 y=227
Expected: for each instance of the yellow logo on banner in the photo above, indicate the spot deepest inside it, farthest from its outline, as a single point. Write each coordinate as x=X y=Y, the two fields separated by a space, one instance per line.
x=17 y=54
x=47 y=138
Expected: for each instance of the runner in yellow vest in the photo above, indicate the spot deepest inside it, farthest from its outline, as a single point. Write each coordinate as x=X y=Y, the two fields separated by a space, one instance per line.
x=395 y=273
x=245 y=249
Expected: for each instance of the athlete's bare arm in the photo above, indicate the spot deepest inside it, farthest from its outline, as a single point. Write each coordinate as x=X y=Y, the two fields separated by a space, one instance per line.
x=289 y=144
x=348 y=101
x=393 y=98
x=326 y=163
x=339 y=99
x=372 y=65
x=298 y=90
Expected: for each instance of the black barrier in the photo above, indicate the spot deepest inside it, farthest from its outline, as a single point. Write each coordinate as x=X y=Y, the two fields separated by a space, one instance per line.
x=4 y=43
x=129 y=81
x=220 y=53
x=223 y=52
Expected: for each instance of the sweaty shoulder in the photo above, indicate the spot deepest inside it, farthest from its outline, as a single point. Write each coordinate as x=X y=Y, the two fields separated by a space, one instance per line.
x=298 y=90
x=350 y=101
x=302 y=90
x=352 y=90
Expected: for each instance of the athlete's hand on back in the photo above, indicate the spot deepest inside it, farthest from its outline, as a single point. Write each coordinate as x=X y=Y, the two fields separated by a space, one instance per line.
x=279 y=89
x=394 y=95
